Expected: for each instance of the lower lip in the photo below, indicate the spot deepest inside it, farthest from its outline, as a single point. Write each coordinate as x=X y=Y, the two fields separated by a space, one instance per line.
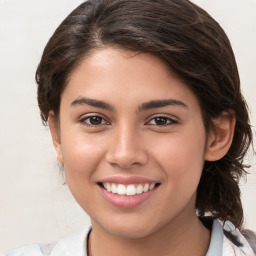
x=127 y=201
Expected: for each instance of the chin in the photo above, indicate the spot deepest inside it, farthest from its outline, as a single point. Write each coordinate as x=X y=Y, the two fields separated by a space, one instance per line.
x=131 y=232
x=131 y=228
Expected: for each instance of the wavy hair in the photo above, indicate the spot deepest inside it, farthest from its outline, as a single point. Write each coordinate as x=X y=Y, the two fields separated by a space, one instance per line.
x=194 y=46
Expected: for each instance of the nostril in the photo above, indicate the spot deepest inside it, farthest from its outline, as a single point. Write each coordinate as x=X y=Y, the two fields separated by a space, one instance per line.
x=127 y=159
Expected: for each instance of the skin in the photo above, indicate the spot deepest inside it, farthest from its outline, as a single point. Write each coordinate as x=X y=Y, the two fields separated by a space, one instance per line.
x=129 y=141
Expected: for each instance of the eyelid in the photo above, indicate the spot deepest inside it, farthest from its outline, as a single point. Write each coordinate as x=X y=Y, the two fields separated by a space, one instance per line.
x=87 y=116
x=173 y=120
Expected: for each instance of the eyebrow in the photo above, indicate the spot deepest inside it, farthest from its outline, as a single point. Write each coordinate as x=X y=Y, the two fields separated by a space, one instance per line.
x=161 y=103
x=92 y=102
x=144 y=106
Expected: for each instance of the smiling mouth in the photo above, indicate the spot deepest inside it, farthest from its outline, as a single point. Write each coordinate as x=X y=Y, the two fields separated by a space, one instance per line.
x=128 y=190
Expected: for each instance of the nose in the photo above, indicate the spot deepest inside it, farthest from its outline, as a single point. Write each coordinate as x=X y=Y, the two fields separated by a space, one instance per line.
x=126 y=149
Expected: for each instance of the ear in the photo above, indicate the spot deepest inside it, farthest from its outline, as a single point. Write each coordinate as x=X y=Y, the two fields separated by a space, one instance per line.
x=220 y=139
x=55 y=136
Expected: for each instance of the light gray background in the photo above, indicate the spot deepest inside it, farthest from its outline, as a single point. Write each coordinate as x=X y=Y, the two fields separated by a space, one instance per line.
x=34 y=205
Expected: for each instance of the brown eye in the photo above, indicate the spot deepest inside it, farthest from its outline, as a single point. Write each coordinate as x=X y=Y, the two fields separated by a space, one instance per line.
x=93 y=121
x=162 y=121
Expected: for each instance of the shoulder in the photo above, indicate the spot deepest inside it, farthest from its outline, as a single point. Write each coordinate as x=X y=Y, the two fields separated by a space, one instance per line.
x=234 y=242
x=31 y=249
x=74 y=244
x=227 y=240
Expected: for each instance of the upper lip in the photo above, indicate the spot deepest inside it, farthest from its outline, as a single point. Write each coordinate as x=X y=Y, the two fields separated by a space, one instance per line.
x=126 y=180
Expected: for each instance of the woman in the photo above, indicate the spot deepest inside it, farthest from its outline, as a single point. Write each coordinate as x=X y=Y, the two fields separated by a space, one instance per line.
x=144 y=106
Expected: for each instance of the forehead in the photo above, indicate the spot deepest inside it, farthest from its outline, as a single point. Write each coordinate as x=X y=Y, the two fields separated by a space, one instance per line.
x=121 y=75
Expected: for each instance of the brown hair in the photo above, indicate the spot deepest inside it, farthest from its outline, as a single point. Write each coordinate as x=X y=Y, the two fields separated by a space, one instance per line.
x=194 y=46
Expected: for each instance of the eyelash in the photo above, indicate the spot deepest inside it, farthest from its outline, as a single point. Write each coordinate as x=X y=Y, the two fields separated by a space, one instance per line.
x=168 y=121
x=83 y=121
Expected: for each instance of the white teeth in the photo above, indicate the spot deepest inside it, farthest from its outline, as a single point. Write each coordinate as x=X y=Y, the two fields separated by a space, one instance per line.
x=107 y=186
x=114 y=188
x=128 y=190
x=152 y=186
x=139 y=189
x=121 y=190
x=146 y=187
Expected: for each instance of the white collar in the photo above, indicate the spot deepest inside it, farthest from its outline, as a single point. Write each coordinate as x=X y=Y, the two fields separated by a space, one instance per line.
x=220 y=245
x=74 y=244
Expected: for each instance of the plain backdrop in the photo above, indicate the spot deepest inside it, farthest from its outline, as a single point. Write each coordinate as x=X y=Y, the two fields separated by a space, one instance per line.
x=35 y=206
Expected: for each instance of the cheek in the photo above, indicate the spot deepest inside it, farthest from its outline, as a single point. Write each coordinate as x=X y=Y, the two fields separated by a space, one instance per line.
x=81 y=159
x=82 y=155
x=182 y=158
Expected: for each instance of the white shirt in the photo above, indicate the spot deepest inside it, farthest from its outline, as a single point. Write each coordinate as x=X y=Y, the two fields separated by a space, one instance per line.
x=76 y=244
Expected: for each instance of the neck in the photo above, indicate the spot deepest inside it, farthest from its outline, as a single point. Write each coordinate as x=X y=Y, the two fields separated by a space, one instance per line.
x=178 y=238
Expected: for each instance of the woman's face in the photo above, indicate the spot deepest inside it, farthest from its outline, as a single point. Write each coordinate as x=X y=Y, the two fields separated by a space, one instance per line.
x=129 y=125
